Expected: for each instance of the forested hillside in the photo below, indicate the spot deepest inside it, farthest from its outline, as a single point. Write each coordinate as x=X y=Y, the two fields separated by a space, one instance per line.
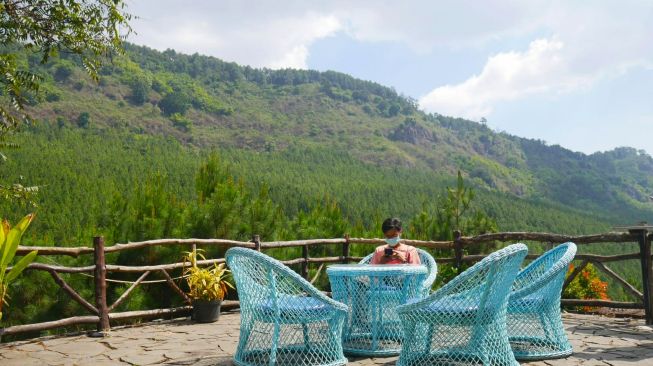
x=172 y=145
x=285 y=128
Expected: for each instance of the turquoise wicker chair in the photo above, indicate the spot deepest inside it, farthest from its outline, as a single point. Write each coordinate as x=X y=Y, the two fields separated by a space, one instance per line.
x=534 y=324
x=284 y=320
x=464 y=322
x=426 y=259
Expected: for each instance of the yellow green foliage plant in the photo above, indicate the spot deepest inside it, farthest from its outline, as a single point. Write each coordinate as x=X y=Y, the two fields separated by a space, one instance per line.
x=9 y=240
x=209 y=284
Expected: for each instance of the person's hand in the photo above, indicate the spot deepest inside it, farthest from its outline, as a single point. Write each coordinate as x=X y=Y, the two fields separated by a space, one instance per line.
x=399 y=255
x=384 y=259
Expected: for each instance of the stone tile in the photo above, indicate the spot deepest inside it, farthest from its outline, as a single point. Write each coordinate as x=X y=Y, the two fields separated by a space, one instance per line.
x=48 y=356
x=80 y=348
x=12 y=354
x=94 y=361
x=596 y=341
x=117 y=354
x=176 y=355
x=143 y=358
x=31 y=347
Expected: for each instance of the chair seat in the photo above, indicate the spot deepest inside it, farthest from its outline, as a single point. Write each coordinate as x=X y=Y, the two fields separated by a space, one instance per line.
x=291 y=306
x=452 y=307
x=525 y=303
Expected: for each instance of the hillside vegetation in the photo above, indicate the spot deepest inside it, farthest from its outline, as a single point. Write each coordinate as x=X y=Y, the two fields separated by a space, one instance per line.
x=168 y=145
x=308 y=134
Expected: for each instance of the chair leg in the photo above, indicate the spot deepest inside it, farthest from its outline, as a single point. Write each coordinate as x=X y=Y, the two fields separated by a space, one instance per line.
x=275 y=344
x=429 y=338
x=307 y=342
x=245 y=332
x=376 y=308
x=335 y=338
x=478 y=341
x=544 y=321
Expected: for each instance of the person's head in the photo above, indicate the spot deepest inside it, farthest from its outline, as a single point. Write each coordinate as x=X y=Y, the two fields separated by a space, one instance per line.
x=391 y=230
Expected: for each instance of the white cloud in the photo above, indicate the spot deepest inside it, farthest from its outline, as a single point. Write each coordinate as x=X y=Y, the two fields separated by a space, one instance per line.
x=271 y=34
x=426 y=24
x=507 y=76
x=260 y=34
x=589 y=43
x=599 y=38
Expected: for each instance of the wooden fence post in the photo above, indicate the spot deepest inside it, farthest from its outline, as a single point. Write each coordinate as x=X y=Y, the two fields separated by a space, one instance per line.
x=257 y=242
x=458 y=248
x=100 y=275
x=647 y=271
x=345 y=250
x=305 y=262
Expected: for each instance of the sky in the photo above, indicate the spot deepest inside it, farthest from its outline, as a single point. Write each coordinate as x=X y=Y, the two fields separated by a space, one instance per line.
x=574 y=73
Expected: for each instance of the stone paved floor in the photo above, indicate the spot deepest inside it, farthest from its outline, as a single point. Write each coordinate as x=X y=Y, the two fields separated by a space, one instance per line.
x=596 y=340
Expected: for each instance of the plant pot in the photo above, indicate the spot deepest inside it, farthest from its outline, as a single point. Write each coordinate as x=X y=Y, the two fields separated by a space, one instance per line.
x=205 y=311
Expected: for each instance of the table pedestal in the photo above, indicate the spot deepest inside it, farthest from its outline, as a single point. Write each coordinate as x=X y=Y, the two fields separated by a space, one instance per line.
x=372 y=293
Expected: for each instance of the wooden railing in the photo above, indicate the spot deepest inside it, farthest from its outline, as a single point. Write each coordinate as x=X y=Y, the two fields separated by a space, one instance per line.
x=103 y=314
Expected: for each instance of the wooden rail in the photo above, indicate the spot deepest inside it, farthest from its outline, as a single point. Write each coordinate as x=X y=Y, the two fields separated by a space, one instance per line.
x=102 y=313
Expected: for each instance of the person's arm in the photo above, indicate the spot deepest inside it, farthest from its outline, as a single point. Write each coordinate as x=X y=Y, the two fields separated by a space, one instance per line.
x=413 y=257
x=377 y=256
x=402 y=256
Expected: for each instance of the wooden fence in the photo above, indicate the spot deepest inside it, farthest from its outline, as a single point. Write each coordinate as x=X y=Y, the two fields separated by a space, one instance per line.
x=103 y=314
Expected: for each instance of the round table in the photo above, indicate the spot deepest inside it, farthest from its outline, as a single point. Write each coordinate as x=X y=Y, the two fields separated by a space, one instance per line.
x=372 y=293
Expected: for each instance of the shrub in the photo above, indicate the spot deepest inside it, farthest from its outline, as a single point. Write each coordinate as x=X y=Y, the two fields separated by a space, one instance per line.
x=587 y=285
x=52 y=96
x=140 y=85
x=63 y=71
x=175 y=102
x=180 y=122
x=84 y=120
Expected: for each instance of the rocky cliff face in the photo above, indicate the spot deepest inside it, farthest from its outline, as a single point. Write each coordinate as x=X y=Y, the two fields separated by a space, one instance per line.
x=413 y=133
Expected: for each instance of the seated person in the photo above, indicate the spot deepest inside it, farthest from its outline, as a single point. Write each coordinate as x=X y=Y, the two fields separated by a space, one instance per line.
x=394 y=252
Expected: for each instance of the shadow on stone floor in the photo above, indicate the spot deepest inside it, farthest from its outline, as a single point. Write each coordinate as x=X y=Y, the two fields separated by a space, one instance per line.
x=208 y=361
x=381 y=361
x=626 y=354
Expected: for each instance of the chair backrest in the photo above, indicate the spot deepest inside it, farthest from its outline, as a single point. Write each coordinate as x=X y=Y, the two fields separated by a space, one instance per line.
x=501 y=272
x=546 y=272
x=426 y=259
x=262 y=279
x=485 y=285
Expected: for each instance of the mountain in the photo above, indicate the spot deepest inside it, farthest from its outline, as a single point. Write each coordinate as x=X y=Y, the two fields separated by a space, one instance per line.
x=309 y=134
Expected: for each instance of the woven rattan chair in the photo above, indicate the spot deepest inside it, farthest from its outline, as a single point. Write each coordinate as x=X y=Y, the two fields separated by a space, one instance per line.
x=425 y=259
x=284 y=320
x=464 y=322
x=534 y=324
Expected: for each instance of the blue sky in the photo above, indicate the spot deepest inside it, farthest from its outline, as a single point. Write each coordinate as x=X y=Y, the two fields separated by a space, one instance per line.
x=574 y=73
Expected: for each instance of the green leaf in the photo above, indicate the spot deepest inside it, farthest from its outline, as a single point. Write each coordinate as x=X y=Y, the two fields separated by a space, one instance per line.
x=20 y=266
x=13 y=239
x=2 y=236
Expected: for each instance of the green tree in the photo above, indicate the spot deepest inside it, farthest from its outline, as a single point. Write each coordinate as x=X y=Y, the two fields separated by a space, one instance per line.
x=84 y=120
x=87 y=28
x=140 y=85
x=63 y=70
x=220 y=204
x=176 y=102
x=451 y=212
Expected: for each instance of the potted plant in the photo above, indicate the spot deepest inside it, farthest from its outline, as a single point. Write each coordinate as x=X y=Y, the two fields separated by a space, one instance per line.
x=207 y=288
